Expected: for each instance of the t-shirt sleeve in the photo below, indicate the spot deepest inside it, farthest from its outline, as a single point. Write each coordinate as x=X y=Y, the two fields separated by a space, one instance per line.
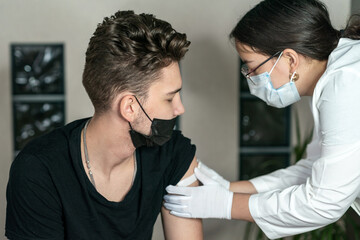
x=181 y=153
x=33 y=205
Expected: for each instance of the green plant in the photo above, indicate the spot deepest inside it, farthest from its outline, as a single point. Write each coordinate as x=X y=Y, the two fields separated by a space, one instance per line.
x=347 y=227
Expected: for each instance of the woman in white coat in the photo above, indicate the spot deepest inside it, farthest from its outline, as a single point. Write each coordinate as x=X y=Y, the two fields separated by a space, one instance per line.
x=290 y=49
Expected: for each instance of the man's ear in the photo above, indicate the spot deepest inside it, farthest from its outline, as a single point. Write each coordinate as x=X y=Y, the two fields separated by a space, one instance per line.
x=293 y=58
x=128 y=107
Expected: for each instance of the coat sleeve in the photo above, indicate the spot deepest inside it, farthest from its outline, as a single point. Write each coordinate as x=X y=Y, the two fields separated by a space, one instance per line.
x=334 y=182
x=292 y=175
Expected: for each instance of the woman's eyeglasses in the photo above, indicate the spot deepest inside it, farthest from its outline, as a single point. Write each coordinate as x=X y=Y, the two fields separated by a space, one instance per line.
x=245 y=68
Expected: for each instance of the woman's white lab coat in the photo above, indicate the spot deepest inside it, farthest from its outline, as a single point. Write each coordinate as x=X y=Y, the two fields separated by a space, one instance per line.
x=319 y=189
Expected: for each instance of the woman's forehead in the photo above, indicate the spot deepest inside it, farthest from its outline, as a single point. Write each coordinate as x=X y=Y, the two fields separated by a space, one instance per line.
x=247 y=50
x=244 y=48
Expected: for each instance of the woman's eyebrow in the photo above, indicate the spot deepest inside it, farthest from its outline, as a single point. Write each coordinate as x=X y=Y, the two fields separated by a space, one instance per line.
x=246 y=61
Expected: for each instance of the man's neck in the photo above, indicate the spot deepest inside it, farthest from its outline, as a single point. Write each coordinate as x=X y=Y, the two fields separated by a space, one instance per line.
x=109 y=144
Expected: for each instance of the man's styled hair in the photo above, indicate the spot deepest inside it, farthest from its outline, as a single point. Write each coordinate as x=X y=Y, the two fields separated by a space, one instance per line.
x=127 y=52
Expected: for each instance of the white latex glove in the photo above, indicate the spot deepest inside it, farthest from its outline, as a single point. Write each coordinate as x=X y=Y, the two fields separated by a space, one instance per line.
x=213 y=175
x=208 y=201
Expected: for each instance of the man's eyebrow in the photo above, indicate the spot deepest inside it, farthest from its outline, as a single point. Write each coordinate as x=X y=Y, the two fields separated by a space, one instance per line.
x=174 y=92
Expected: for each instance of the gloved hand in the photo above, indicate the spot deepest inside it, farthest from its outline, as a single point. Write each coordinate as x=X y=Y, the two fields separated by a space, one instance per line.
x=211 y=200
x=213 y=175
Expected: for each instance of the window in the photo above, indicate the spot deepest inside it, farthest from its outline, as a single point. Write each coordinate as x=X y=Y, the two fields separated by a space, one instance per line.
x=264 y=139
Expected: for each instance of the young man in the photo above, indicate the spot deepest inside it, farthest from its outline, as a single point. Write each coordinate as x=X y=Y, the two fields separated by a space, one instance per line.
x=105 y=177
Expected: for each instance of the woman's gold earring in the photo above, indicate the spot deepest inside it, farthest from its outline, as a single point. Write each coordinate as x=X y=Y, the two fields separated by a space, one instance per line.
x=295 y=76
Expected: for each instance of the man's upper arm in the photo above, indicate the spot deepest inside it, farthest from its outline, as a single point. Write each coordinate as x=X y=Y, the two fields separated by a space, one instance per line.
x=182 y=228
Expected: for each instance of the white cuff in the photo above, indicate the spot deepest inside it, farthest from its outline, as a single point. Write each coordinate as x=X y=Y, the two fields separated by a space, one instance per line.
x=255 y=213
x=260 y=184
x=229 y=205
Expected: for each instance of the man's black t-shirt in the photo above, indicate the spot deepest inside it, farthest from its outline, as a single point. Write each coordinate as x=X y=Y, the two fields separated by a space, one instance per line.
x=49 y=195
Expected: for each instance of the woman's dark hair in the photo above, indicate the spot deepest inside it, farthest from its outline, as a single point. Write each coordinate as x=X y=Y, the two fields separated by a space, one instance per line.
x=127 y=52
x=352 y=29
x=301 y=25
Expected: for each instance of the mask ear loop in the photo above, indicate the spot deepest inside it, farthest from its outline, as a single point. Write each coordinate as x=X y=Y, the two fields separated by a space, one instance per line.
x=276 y=62
x=142 y=108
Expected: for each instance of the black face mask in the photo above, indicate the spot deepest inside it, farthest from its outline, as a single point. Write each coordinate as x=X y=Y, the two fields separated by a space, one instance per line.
x=161 y=131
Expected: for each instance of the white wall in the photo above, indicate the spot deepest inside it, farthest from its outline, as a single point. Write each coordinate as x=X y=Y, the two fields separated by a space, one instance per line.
x=209 y=71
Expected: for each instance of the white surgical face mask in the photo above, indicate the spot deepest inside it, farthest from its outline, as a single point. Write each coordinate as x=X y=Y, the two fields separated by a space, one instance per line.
x=261 y=86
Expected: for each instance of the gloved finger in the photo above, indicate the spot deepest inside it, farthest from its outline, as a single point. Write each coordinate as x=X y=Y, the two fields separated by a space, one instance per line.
x=205 y=169
x=175 y=207
x=200 y=163
x=185 y=191
x=178 y=214
x=187 y=181
x=206 y=180
x=175 y=199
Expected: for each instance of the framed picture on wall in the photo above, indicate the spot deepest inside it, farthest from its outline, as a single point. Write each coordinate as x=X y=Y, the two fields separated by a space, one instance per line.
x=37 y=68
x=38 y=90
